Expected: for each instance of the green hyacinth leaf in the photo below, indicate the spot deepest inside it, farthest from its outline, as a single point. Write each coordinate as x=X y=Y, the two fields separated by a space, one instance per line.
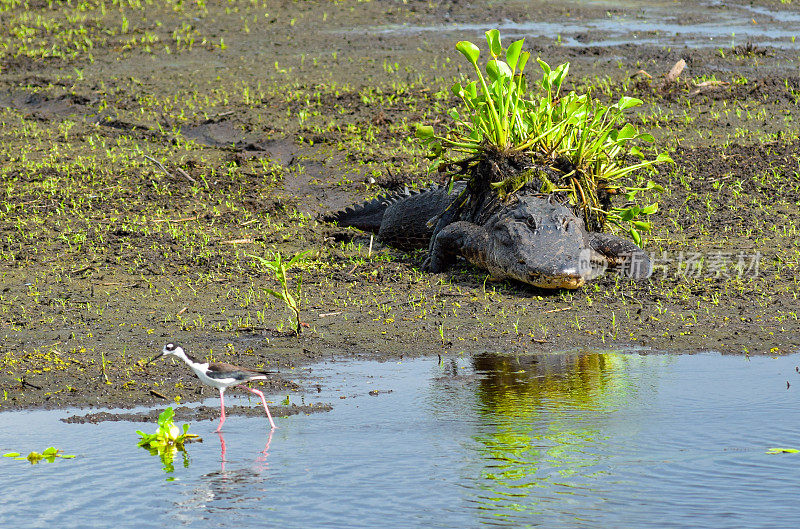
x=424 y=132
x=513 y=53
x=497 y=70
x=637 y=238
x=649 y=210
x=493 y=40
x=523 y=60
x=628 y=102
x=469 y=50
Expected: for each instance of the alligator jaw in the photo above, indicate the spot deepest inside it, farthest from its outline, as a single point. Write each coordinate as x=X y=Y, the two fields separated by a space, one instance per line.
x=569 y=279
x=570 y=282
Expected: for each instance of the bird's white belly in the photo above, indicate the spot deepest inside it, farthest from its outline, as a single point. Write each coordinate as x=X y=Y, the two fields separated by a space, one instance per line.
x=219 y=383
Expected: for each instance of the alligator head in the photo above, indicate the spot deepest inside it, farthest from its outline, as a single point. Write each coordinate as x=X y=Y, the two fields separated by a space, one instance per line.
x=538 y=242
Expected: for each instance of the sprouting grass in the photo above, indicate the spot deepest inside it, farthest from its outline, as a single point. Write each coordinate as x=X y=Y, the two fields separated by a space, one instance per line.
x=279 y=268
x=75 y=30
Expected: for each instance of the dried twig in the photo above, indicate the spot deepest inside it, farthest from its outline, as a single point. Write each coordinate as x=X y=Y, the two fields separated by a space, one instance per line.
x=24 y=383
x=157 y=394
x=186 y=175
x=557 y=310
x=159 y=164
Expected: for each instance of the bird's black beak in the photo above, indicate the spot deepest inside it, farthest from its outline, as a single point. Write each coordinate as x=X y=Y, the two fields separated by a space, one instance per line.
x=154 y=359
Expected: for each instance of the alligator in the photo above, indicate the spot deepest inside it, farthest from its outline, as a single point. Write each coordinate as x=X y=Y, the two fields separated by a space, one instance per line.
x=527 y=236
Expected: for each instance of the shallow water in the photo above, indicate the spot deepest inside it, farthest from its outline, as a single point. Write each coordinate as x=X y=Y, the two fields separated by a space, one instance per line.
x=700 y=24
x=579 y=440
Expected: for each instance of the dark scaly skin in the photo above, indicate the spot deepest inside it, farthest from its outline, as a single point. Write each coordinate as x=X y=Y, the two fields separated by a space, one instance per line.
x=530 y=238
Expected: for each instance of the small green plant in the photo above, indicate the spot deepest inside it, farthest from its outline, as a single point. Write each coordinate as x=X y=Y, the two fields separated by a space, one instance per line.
x=278 y=266
x=168 y=440
x=168 y=433
x=49 y=455
x=579 y=144
x=783 y=451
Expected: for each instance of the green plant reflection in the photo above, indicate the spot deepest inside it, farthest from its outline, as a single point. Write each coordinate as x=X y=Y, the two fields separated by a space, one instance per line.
x=546 y=419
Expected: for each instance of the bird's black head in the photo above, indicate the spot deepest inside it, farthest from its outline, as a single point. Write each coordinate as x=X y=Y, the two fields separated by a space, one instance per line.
x=168 y=349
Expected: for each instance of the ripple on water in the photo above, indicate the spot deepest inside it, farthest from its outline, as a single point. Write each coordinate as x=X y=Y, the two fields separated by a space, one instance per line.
x=577 y=440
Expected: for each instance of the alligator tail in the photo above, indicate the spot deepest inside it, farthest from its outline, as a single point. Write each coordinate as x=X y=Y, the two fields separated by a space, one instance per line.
x=368 y=216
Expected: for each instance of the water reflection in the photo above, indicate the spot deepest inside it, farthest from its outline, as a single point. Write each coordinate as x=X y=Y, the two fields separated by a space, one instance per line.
x=260 y=465
x=545 y=420
x=514 y=385
x=217 y=490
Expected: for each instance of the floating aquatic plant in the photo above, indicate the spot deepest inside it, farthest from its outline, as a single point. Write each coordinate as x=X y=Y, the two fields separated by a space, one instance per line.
x=783 y=451
x=49 y=455
x=168 y=440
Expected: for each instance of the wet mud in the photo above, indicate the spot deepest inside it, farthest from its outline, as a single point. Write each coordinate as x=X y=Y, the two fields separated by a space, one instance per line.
x=195 y=413
x=141 y=174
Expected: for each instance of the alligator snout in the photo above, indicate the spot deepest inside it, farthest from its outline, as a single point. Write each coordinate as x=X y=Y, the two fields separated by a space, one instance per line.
x=570 y=278
x=571 y=282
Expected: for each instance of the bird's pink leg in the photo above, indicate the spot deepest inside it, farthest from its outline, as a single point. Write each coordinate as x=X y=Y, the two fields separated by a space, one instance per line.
x=262 y=457
x=264 y=402
x=223 y=450
x=222 y=406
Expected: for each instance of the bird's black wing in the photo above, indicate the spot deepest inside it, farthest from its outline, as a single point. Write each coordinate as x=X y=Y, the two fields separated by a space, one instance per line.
x=222 y=370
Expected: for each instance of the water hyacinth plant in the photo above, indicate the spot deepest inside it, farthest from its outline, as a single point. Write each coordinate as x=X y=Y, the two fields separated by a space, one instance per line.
x=49 y=455
x=168 y=439
x=168 y=433
x=583 y=143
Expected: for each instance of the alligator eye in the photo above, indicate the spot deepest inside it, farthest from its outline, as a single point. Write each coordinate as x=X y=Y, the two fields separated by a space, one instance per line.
x=531 y=222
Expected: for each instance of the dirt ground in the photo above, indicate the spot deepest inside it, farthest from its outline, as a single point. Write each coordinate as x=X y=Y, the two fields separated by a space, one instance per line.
x=149 y=150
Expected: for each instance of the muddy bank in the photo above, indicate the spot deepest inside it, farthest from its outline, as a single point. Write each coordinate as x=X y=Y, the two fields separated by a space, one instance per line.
x=196 y=413
x=142 y=172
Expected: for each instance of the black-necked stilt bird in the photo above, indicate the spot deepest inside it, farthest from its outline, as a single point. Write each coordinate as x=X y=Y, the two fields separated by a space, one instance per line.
x=221 y=376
